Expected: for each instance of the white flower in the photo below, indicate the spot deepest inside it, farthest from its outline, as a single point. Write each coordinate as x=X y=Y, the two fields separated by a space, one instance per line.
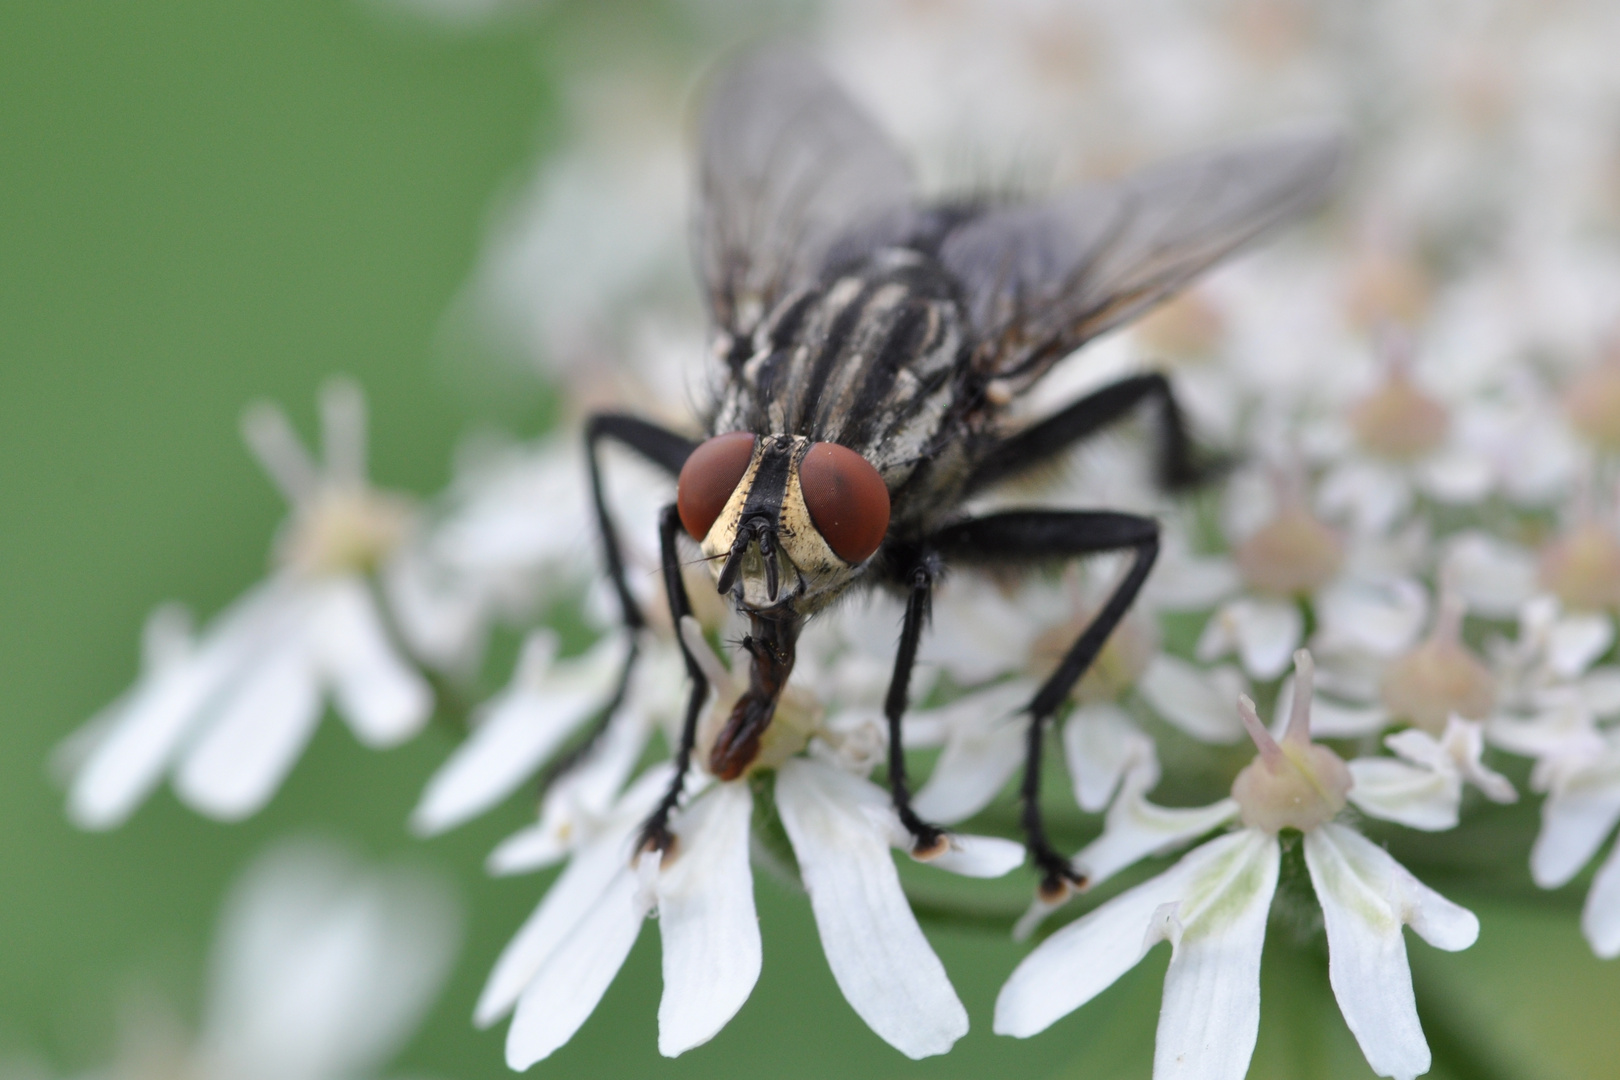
x=321 y=969
x=841 y=827
x=517 y=731
x=1421 y=787
x=230 y=714
x=1578 y=767
x=1212 y=907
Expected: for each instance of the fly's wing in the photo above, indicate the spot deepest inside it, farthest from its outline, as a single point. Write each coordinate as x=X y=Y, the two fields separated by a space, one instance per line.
x=789 y=169
x=1040 y=280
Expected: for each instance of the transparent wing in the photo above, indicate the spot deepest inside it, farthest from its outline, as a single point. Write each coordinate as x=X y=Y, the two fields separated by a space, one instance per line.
x=789 y=168
x=1039 y=280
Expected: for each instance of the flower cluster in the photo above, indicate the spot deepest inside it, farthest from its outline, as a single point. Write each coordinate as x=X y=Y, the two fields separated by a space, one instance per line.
x=1418 y=399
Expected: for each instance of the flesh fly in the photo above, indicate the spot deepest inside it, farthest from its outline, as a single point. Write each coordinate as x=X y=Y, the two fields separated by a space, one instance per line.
x=868 y=343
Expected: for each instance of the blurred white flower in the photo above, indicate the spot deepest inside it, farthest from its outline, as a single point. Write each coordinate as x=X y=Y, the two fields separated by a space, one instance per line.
x=230 y=711
x=321 y=969
x=1578 y=768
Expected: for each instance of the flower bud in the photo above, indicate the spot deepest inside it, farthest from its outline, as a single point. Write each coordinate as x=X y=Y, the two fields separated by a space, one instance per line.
x=1292 y=554
x=1398 y=420
x=1582 y=567
x=1439 y=677
x=1593 y=403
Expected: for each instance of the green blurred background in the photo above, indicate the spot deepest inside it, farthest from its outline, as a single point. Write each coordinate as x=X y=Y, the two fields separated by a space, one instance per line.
x=205 y=203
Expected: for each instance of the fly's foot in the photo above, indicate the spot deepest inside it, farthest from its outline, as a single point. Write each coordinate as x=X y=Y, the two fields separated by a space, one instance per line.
x=927 y=841
x=656 y=836
x=1058 y=875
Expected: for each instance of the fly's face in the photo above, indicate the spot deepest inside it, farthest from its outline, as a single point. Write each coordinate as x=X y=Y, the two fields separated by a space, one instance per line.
x=786 y=523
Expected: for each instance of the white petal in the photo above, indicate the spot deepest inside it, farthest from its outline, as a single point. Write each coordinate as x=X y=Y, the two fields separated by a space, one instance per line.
x=1210 y=1014
x=1600 y=917
x=1495 y=577
x=1202 y=703
x=1101 y=745
x=1464 y=745
x=1137 y=828
x=323 y=969
x=1408 y=794
x=271 y=439
x=984 y=738
x=1600 y=691
x=706 y=919
x=1264 y=632
x=571 y=981
x=1086 y=957
x=1371 y=495
x=1575 y=820
x=343 y=430
x=1576 y=641
x=382 y=697
x=1384 y=619
x=157 y=715
x=1192 y=583
x=578 y=800
x=517 y=731
x=246 y=748
x=1365 y=897
x=978 y=856
x=878 y=954
x=1456 y=476
x=1332 y=720
x=569 y=900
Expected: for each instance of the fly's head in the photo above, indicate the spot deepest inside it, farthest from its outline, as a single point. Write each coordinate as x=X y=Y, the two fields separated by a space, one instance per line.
x=787 y=524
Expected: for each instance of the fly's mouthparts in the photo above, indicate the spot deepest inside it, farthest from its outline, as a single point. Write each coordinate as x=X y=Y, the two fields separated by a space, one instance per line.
x=767 y=552
x=757 y=531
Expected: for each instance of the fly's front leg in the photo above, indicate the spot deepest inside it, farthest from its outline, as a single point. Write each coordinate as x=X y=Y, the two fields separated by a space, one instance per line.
x=668 y=451
x=1045 y=440
x=1043 y=535
x=926 y=838
x=655 y=834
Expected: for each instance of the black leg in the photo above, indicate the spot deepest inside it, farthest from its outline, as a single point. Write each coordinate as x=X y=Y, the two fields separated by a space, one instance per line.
x=655 y=834
x=1036 y=535
x=668 y=451
x=926 y=838
x=1042 y=441
x=663 y=448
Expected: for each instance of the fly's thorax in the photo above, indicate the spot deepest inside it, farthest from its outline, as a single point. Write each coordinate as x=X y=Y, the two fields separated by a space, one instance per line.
x=769 y=504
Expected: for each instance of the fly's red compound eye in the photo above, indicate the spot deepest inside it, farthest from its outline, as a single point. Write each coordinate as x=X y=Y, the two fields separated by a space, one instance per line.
x=708 y=478
x=847 y=499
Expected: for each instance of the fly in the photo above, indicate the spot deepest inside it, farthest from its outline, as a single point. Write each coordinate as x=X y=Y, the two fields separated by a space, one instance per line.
x=868 y=344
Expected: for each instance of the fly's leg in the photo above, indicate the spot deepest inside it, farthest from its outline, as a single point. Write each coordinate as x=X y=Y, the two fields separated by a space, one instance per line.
x=660 y=446
x=926 y=838
x=1041 y=535
x=1043 y=441
x=655 y=834
x=668 y=451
